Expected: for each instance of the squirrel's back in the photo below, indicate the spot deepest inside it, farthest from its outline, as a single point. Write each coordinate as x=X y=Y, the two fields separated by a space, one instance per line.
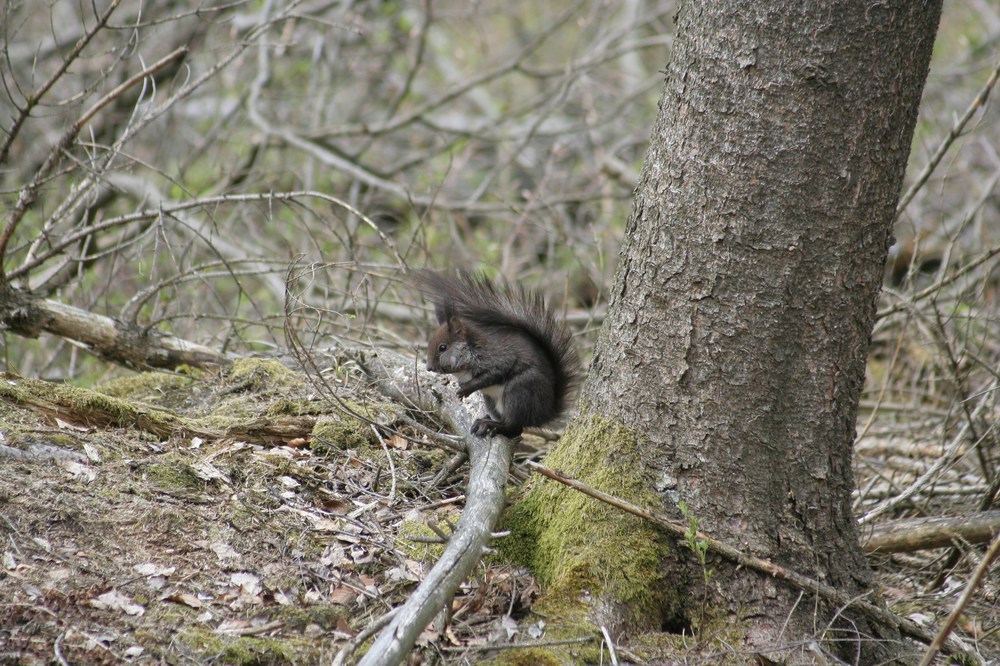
x=504 y=307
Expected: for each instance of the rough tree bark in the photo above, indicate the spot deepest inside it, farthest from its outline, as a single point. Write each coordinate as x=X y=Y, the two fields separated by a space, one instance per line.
x=728 y=372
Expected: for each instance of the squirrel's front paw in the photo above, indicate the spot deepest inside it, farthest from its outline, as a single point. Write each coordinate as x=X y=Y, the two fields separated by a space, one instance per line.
x=485 y=427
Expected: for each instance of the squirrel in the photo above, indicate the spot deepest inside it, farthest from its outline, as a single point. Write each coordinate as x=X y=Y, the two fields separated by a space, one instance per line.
x=501 y=340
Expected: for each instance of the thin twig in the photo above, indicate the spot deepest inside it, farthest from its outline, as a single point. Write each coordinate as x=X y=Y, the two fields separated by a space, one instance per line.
x=953 y=134
x=947 y=458
x=947 y=278
x=34 y=98
x=28 y=194
x=169 y=209
x=388 y=456
x=611 y=645
x=352 y=645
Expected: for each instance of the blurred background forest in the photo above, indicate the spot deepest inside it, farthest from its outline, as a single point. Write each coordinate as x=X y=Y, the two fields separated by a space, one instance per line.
x=174 y=164
x=345 y=138
x=220 y=171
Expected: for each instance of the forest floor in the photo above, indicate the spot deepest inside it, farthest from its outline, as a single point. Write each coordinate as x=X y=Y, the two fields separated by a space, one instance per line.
x=245 y=518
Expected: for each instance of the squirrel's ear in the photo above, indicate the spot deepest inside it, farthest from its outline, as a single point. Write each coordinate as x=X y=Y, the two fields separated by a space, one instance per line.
x=442 y=313
x=456 y=327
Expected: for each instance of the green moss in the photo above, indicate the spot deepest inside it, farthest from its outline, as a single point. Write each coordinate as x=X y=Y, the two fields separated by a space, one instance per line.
x=333 y=434
x=250 y=386
x=286 y=407
x=145 y=386
x=261 y=375
x=662 y=645
x=525 y=657
x=712 y=646
x=325 y=616
x=587 y=554
x=419 y=550
x=91 y=406
x=174 y=475
x=249 y=650
x=616 y=557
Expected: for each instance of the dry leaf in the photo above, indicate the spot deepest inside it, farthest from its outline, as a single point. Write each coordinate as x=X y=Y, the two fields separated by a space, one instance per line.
x=249 y=583
x=343 y=595
x=326 y=525
x=224 y=551
x=78 y=471
x=206 y=471
x=66 y=425
x=93 y=455
x=134 y=651
x=152 y=569
x=336 y=506
x=344 y=628
x=186 y=599
x=233 y=626
x=115 y=600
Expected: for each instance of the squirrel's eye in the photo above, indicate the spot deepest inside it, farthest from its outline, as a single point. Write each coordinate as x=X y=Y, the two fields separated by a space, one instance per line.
x=443 y=347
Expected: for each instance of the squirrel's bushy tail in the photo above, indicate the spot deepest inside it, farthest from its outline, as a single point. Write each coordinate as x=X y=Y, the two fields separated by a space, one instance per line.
x=501 y=305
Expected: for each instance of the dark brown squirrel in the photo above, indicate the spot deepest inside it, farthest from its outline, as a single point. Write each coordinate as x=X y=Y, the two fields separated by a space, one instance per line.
x=501 y=340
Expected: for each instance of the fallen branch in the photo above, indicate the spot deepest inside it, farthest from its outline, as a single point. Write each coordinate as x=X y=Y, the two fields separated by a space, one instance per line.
x=490 y=462
x=36 y=450
x=111 y=339
x=91 y=408
x=401 y=377
x=911 y=534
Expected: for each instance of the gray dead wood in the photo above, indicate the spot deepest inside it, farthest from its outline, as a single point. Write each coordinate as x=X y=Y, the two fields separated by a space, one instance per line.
x=40 y=451
x=124 y=343
x=490 y=460
x=912 y=534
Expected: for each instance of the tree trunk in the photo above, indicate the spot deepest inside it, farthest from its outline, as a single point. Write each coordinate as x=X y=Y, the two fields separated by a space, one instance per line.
x=729 y=368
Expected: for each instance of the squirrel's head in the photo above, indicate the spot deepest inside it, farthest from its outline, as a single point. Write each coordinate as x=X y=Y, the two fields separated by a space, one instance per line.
x=448 y=348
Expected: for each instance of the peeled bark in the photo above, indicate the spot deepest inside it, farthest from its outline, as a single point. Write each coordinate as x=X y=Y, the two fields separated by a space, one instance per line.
x=729 y=368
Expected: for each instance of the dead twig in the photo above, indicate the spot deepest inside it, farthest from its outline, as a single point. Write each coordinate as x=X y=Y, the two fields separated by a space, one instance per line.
x=35 y=97
x=953 y=134
x=490 y=463
x=28 y=194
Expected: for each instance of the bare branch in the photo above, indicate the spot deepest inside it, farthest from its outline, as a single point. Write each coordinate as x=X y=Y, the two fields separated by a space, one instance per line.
x=490 y=462
x=970 y=588
x=109 y=339
x=911 y=534
x=36 y=96
x=953 y=134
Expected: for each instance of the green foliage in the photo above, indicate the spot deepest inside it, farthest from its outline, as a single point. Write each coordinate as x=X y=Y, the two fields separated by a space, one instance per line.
x=695 y=545
x=700 y=549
